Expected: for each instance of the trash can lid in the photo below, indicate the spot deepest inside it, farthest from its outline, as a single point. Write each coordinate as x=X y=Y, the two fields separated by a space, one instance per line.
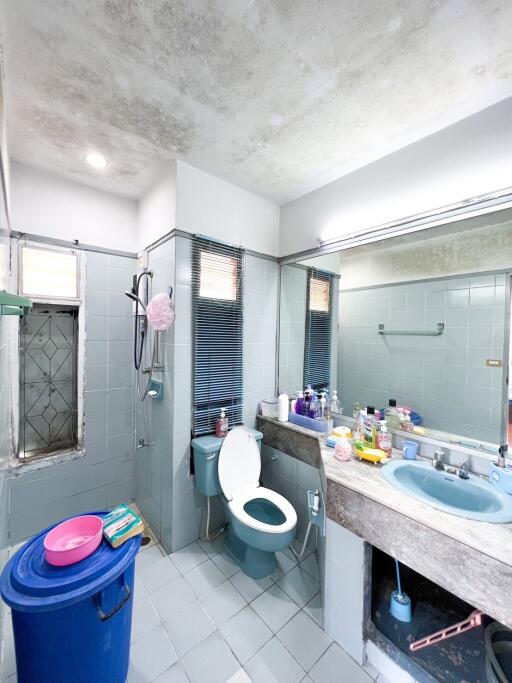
x=29 y=583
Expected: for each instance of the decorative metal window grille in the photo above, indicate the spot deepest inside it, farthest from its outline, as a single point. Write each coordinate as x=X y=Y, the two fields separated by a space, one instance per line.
x=48 y=380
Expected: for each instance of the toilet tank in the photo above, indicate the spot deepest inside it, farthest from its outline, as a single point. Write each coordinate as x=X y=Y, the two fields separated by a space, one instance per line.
x=205 y=450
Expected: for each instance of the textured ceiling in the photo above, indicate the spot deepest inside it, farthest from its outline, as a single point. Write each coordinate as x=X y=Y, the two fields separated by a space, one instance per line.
x=277 y=96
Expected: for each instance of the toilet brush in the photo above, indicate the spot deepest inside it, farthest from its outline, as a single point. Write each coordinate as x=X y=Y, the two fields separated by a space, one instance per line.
x=400 y=605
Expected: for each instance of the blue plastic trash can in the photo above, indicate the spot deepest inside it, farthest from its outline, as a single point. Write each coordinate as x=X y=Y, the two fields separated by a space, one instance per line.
x=71 y=624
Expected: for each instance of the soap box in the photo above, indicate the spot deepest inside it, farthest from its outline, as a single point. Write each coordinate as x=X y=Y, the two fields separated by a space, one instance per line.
x=501 y=477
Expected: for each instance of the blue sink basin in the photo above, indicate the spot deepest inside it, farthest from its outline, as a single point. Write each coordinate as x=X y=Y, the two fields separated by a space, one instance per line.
x=473 y=498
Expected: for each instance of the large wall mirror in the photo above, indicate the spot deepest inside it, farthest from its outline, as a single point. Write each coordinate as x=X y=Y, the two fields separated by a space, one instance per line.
x=423 y=319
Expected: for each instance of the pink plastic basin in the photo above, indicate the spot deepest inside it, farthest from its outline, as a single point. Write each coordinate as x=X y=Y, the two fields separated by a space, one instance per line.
x=73 y=540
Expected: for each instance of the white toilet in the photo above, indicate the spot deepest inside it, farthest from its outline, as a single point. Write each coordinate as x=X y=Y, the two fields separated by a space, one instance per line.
x=261 y=521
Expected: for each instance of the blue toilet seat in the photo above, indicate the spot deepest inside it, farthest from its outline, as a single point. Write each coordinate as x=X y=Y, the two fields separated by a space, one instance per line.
x=275 y=515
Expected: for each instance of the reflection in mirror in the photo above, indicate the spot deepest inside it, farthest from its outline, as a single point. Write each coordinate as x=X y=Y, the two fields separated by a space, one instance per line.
x=422 y=319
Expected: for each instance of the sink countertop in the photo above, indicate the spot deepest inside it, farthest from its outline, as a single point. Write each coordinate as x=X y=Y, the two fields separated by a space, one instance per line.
x=469 y=558
x=494 y=540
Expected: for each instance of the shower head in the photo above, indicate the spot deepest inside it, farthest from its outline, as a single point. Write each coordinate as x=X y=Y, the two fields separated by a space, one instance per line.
x=134 y=297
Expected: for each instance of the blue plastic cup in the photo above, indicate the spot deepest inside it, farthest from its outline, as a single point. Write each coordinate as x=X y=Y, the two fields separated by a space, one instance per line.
x=410 y=449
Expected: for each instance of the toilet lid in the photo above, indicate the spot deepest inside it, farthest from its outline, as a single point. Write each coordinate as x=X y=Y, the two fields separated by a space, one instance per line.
x=239 y=462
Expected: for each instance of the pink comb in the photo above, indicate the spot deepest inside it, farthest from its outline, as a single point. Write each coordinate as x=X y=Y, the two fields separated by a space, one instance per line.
x=474 y=620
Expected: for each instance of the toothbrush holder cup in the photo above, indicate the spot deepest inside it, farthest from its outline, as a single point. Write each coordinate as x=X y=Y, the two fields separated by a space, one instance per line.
x=410 y=449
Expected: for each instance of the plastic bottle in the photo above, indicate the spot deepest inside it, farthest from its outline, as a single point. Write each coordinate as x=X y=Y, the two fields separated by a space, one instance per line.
x=408 y=424
x=314 y=406
x=334 y=404
x=343 y=449
x=370 y=427
x=384 y=441
x=221 y=424
x=283 y=405
x=356 y=410
x=391 y=414
x=299 y=405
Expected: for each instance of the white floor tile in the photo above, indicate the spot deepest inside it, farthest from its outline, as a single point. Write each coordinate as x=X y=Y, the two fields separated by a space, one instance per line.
x=223 y=602
x=214 y=547
x=171 y=597
x=275 y=607
x=176 y=674
x=315 y=609
x=299 y=585
x=144 y=619
x=274 y=664
x=156 y=574
x=227 y=566
x=189 y=557
x=250 y=588
x=8 y=658
x=188 y=626
x=245 y=634
x=151 y=656
x=304 y=639
x=204 y=577
x=149 y=556
x=298 y=548
x=140 y=591
x=284 y=565
x=310 y=565
x=210 y=662
x=335 y=665
x=240 y=677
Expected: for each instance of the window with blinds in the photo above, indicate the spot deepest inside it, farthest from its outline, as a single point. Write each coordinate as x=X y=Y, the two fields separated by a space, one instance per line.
x=317 y=346
x=217 y=282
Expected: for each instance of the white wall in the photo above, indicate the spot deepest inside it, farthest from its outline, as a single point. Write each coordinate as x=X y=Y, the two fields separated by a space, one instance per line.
x=156 y=213
x=214 y=207
x=469 y=158
x=45 y=204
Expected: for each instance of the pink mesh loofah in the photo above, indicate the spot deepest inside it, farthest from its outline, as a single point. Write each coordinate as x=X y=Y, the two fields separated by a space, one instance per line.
x=160 y=312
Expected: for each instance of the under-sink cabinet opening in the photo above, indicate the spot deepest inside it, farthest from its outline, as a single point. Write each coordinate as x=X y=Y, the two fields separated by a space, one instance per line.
x=460 y=658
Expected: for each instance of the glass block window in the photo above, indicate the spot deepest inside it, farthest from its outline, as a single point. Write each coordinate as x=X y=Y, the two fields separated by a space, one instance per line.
x=48 y=380
x=48 y=273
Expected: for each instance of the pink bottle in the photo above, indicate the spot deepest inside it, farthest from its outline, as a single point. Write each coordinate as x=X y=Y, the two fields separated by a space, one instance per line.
x=221 y=425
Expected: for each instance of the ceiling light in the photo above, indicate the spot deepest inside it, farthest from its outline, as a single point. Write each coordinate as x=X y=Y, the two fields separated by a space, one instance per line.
x=96 y=160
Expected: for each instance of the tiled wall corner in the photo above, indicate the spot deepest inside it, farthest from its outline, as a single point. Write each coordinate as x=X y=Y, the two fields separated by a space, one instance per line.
x=292 y=324
x=260 y=321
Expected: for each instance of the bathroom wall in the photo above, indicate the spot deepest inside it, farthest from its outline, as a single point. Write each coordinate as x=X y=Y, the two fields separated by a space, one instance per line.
x=156 y=209
x=105 y=475
x=155 y=419
x=210 y=206
x=292 y=325
x=46 y=204
x=464 y=160
x=165 y=488
x=444 y=378
x=292 y=479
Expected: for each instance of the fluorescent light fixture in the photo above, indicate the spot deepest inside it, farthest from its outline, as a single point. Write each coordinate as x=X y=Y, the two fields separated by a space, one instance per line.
x=96 y=160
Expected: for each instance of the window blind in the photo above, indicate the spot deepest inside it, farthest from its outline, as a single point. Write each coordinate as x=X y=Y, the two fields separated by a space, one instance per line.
x=217 y=283
x=317 y=346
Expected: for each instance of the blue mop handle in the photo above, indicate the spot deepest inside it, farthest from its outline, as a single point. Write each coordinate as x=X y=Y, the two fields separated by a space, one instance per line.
x=398 y=584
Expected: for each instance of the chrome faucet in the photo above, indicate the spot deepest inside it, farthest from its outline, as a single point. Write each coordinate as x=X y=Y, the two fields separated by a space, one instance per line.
x=464 y=469
x=438 y=461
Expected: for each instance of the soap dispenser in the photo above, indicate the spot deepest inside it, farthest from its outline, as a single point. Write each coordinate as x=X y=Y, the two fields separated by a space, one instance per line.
x=221 y=425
